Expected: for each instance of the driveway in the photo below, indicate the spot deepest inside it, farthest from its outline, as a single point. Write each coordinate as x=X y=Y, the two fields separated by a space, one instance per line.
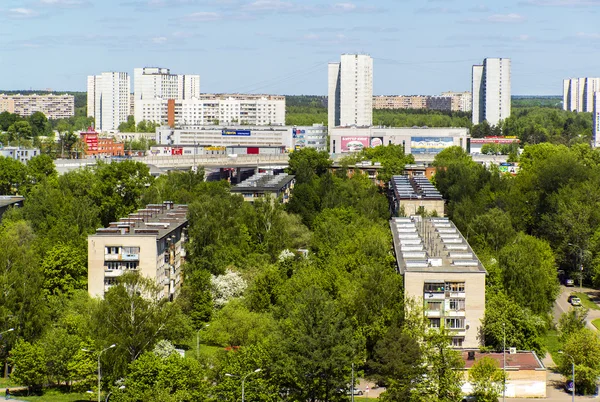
x=562 y=305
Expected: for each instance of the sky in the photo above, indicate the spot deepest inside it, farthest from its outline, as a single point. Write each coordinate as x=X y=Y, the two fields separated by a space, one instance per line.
x=283 y=46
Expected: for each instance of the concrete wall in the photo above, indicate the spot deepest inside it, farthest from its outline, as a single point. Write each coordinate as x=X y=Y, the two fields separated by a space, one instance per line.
x=411 y=207
x=519 y=383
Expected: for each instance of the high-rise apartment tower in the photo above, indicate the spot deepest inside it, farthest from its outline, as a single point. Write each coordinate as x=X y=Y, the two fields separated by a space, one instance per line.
x=108 y=99
x=578 y=94
x=491 y=91
x=350 y=101
x=152 y=83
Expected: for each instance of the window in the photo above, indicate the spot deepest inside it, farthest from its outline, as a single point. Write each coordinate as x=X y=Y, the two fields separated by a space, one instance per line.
x=131 y=250
x=455 y=286
x=434 y=306
x=433 y=288
x=455 y=323
x=457 y=341
x=111 y=250
x=434 y=323
x=112 y=265
x=457 y=304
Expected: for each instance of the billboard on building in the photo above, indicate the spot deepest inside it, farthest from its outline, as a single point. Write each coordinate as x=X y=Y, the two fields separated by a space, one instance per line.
x=376 y=141
x=354 y=144
x=429 y=145
x=243 y=133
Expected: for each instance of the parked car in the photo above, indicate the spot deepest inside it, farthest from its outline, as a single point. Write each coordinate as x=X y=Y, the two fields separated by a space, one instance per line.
x=569 y=386
x=469 y=398
x=569 y=282
x=575 y=301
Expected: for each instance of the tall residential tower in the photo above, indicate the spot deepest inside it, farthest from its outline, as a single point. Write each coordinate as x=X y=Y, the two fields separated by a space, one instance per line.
x=578 y=94
x=154 y=83
x=350 y=92
x=491 y=91
x=108 y=99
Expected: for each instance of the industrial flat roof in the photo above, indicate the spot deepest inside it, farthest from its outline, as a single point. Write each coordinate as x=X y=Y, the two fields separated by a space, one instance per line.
x=432 y=245
x=405 y=187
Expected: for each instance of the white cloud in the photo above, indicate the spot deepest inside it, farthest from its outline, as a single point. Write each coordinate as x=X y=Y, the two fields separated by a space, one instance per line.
x=585 y=35
x=159 y=40
x=21 y=12
x=506 y=18
x=64 y=3
x=202 y=16
x=311 y=36
x=436 y=10
x=269 y=5
x=344 y=6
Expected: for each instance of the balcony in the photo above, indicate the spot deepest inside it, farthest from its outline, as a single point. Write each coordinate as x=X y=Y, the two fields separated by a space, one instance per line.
x=455 y=313
x=433 y=313
x=130 y=257
x=112 y=257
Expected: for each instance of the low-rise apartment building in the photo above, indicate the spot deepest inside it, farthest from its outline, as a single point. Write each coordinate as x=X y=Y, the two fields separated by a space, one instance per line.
x=266 y=184
x=149 y=241
x=441 y=271
x=412 y=195
x=20 y=154
x=53 y=106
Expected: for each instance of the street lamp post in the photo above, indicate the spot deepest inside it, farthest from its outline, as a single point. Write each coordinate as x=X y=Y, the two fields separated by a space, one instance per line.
x=8 y=330
x=99 y=368
x=110 y=393
x=581 y=252
x=504 y=362
x=243 y=380
x=573 y=372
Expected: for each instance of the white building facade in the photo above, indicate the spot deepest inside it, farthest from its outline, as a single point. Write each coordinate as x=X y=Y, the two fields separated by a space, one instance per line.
x=350 y=91
x=157 y=83
x=596 y=121
x=109 y=99
x=491 y=91
x=259 y=110
x=578 y=94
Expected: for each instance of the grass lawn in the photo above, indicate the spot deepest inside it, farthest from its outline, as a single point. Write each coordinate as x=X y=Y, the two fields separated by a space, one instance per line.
x=596 y=323
x=552 y=343
x=587 y=302
x=6 y=382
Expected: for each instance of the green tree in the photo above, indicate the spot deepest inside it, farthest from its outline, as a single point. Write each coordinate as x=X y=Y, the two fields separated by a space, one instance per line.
x=529 y=273
x=571 y=322
x=20 y=130
x=39 y=168
x=128 y=126
x=64 y=268
x=29 y=364
x=487 y=379
x=584 y=347
x=308 y=162
x=13 y=175
x=39 y=124
x=7 y=119
x=135 y=316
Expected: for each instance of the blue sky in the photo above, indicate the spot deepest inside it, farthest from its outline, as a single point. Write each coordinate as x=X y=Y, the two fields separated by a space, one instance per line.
x=283 y=46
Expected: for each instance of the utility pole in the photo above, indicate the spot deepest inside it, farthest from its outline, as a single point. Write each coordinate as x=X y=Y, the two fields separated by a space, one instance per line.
x=352 y=384
x=504 y=362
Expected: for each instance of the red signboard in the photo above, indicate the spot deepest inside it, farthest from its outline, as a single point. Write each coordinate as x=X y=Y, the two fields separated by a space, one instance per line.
x=176 y=151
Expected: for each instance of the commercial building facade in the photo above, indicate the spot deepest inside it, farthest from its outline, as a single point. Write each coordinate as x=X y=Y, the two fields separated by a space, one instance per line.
x=241 y=139
x=149 y=242
x=97 y=146
x=53 y=106
x=350 y=101
x=441 y=271
x=109 y=99
x=229 y=109
x=157 y=83
x=491 y=91
x=578 y=94
x=414 y=140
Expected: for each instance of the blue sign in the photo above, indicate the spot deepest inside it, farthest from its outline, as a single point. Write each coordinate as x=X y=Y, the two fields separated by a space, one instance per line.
x=244 y=133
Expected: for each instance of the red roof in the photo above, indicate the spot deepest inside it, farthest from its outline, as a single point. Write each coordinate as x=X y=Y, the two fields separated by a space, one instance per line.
x=519 y=360
x=90 y=130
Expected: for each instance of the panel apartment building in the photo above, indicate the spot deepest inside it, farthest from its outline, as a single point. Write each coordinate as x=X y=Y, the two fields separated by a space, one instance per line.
x=108 y=99
x=350 y=101
x=209 y=109
x=491 y=91
x=578 y=94
x=157 y=83
x=441 y=271
x=149 y=241
x=53 y=106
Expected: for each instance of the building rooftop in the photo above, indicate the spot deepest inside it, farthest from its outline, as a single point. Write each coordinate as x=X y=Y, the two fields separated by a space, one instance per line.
x=521 y=360
x=414 y=188
x=155 y=220
x=263 y=182
x=432 y=245
x=6 y=200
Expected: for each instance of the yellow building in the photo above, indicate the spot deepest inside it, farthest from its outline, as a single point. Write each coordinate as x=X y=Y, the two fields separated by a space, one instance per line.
x=149 y=241
x=441 y=270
